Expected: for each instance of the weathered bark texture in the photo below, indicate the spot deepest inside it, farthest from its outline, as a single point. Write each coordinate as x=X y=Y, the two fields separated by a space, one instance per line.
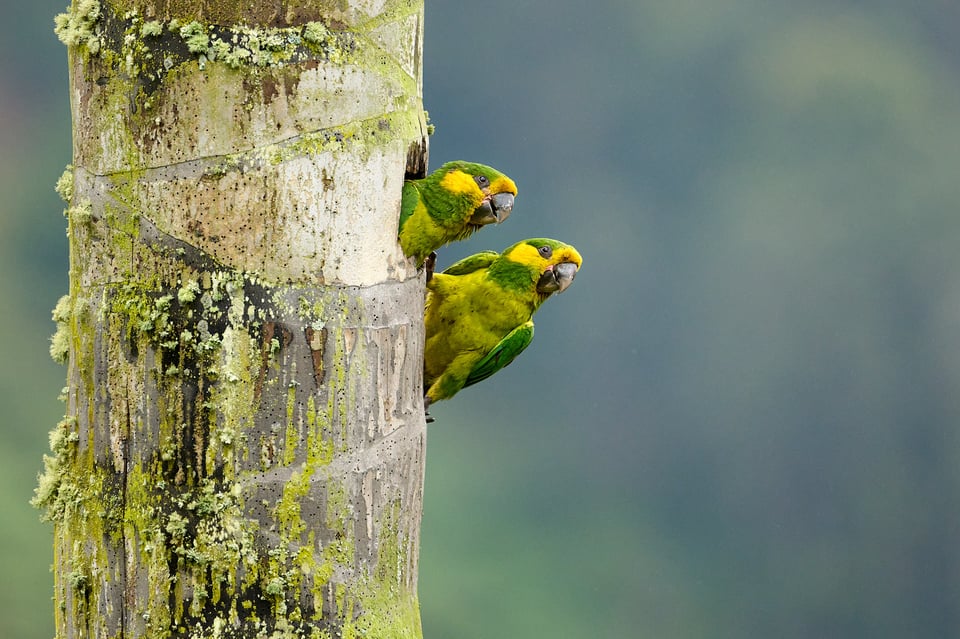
x=243 y=451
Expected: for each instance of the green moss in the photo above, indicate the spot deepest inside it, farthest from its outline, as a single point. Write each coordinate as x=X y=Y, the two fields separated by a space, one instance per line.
x=78 y=581
x=287 y=512
x=387 y=609
x=320 y=450
x=291 y=439
x=142 y=520
x=146 y=313
x=232 y=399
x=292 y=563
x=212 y=539
x=341 y=549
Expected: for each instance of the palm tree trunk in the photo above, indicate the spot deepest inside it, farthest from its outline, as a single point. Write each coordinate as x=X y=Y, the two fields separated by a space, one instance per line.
x=243 y=450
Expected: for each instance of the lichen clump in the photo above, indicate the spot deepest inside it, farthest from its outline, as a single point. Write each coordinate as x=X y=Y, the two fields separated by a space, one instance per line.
x=235 y=46
x=78 y=26
x=64 y=187
x=80 y=212
x=262 y=47
x=60 y=342
x=55 y=494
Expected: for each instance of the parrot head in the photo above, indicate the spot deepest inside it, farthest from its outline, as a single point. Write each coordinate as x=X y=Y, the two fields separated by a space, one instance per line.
x=494 y=190
x=554 y=263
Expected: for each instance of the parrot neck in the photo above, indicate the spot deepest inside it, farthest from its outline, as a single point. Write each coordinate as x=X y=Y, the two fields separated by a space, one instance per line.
x=519 y=279
x=439 y=200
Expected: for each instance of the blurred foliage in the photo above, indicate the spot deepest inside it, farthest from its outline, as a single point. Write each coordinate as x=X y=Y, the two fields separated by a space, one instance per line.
x=742 y=420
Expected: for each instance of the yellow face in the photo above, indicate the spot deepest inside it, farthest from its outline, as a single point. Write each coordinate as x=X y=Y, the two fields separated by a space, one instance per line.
x=544 y=255
x=458 y=181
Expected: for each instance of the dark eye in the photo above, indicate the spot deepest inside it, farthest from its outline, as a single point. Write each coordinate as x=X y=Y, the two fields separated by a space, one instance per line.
x=481 y=181
x=546 y=251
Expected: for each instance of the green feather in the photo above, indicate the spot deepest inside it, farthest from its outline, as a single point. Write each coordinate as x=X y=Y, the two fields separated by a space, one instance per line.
x=502 y=354
x=473 y=263
x=513 y=276
x=408 y=201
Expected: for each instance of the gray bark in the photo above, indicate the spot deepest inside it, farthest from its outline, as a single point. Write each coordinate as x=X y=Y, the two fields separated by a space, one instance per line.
x=243 y=450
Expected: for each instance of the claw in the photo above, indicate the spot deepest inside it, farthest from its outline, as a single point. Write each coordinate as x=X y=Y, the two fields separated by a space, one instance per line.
x=426 y=405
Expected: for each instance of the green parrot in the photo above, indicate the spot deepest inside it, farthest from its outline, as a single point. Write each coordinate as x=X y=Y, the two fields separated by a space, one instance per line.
x=478 y=311
x=450 y=204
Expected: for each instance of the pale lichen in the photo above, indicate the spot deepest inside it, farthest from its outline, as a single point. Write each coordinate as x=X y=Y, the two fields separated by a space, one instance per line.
x=262 y=46
x=81 y=213
x=56 y=492
x=64 y=185
x=188 y=291
x=78 y=26
x=151 y=28
x=326 y=41
x=60 y=341
x=195 y=37
x=144 y=55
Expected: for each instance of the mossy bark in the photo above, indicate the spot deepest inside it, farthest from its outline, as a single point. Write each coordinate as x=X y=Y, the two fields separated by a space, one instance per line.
x=243 y=451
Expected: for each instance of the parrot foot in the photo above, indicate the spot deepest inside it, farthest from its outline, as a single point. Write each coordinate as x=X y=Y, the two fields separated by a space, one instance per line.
x=426 y=405
x=429 y=264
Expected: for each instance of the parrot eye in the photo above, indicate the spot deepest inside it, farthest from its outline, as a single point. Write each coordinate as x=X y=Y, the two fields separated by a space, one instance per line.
x=481 y=181
x=546 y=251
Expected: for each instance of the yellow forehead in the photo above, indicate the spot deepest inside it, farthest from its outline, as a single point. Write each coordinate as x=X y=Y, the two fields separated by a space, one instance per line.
x=529 y=255
x=459 y=182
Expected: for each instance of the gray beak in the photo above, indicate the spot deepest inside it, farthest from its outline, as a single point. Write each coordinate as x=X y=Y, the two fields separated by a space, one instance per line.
x=494 y=210
x=557 y=278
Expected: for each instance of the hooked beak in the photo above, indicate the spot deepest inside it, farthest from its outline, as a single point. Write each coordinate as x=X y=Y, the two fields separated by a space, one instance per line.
x=557 y=278
x=493 y=210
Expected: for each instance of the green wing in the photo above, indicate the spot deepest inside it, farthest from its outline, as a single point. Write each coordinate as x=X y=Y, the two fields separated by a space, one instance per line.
x=502 y=354
x=408 y=202
x=472 y=263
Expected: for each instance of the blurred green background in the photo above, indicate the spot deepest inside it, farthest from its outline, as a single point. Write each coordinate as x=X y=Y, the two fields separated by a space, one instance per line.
x=743 y=420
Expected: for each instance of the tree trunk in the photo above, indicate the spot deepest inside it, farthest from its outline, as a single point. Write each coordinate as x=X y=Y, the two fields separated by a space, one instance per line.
x=243 y=450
